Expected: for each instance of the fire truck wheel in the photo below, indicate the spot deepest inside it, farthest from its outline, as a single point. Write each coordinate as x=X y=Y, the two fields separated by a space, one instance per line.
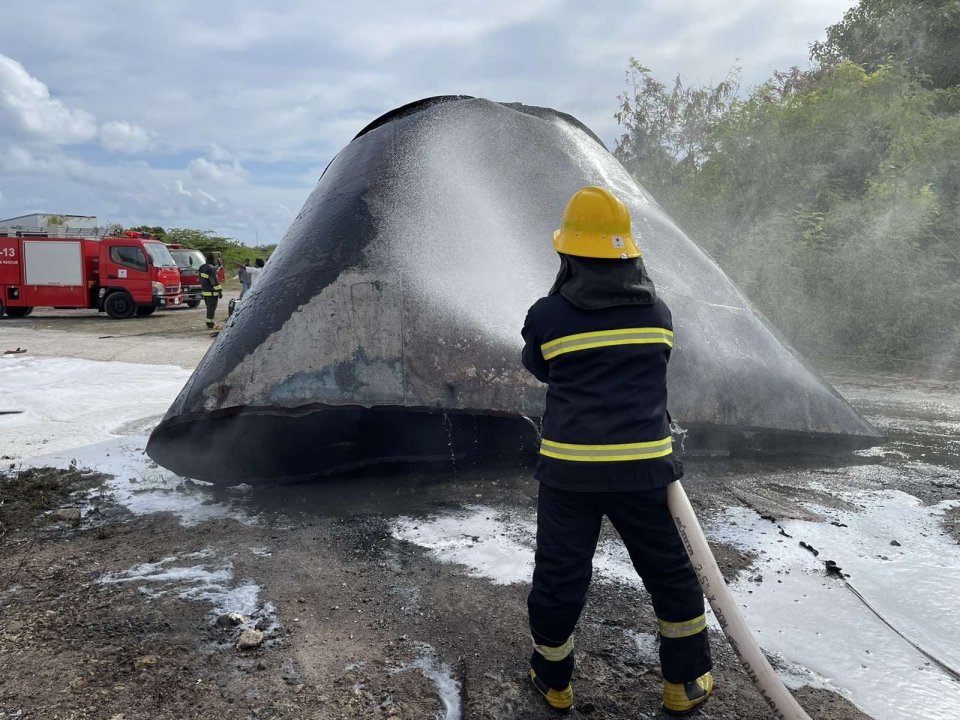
x=120 y=306
x=17 y=312
x=144 y=310
x=193 y=303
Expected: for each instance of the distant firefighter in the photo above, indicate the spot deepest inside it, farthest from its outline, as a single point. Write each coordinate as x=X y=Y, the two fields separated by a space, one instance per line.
x=210 y=288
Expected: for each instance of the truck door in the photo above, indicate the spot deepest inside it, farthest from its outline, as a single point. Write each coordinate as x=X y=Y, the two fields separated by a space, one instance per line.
x=53 y=273
x=125 y=265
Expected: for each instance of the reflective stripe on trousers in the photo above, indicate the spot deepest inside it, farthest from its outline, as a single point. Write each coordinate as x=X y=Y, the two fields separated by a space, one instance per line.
x=555 y=654
x=675 y=630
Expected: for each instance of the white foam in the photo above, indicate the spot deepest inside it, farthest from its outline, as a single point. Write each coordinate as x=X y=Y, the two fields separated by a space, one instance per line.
x=70 y=402
x=813 y=621
x=485 y=541
x=441 y=675
x=209 y=582
x=82 y=413
x=648 y=646
x=499 y=545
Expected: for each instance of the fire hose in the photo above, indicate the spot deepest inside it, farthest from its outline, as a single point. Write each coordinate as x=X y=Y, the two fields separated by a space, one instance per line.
x=754 y=662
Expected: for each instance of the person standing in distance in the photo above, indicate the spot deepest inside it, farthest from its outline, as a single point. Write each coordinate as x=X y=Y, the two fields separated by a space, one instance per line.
x=210 y=289
x=254 y=272
x=601 y=341
x=243 y=275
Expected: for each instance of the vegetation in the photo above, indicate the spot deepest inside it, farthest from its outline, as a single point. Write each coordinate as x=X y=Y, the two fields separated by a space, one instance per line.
x=831 y=196
x=920 y=36
x=233 y=252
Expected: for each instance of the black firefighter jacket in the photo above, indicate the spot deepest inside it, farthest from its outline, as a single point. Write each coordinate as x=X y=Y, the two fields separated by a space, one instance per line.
x=209 y=280
x=605 y=426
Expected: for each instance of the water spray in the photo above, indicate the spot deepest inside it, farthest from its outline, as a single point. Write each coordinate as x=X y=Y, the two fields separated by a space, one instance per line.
x=715 y=589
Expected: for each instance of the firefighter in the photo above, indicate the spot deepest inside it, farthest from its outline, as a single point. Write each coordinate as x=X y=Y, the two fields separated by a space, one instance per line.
x=601 y=340
x=210 y=288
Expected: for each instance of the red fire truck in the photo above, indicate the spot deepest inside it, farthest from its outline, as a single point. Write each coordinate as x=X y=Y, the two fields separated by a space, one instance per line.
x=189 y=261
x=124 y=276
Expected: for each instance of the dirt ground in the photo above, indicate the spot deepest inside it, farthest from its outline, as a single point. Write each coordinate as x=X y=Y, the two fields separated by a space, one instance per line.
x=356 y=623
x=355 y=612
x=177 y=336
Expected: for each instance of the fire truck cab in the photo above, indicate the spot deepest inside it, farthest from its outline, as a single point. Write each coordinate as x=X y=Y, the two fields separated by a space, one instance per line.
x=124 y=276
x=189 y=260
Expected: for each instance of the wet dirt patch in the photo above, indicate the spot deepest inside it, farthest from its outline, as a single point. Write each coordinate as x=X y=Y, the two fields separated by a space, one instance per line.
x=33 y=497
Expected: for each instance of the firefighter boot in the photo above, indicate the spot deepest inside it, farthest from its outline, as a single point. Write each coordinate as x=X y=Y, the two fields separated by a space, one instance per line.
x=685 y=698
x=557 y=699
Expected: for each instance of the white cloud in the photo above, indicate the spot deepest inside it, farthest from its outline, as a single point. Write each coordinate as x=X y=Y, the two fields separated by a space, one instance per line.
x=405 y=26
x=37 y=116
x=20 y=161
x=123 y=137
x=218 y=154
x=221 y=173
x=285 y=87
x=28 y=102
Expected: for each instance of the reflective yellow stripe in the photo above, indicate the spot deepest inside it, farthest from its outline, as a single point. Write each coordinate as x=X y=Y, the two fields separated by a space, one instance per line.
x=206 y=293
x=218 y=287
x=607 y=453
x=205 y=275
x=555 y=654
x=607 y=338
x=682 y=629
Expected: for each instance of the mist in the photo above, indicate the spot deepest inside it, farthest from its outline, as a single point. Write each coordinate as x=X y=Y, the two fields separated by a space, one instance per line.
x=831 y=196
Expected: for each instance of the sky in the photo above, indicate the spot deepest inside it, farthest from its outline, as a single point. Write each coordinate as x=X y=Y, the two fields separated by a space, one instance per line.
x=220 y=115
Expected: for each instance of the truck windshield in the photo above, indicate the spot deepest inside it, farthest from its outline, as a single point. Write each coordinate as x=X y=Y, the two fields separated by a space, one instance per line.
x=159 y=254
x=188 y=258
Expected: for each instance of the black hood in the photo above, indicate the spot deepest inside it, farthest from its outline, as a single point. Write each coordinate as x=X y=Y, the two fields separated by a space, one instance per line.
x=593 y=283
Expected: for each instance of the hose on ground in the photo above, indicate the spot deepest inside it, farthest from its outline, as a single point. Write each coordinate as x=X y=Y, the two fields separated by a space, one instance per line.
x=715 y=589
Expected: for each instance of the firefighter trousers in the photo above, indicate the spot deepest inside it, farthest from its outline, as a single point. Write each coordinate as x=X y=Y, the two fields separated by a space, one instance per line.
x=211 y=303
x=568 y=527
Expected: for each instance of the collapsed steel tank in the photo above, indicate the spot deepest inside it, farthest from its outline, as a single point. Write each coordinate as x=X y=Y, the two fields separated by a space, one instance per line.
x=386 y=326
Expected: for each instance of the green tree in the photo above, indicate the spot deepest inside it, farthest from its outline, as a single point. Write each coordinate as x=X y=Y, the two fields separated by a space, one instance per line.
x=923 y=35
x=205 y=240
x=232 y=251
x=831 y=197
x=668 y=132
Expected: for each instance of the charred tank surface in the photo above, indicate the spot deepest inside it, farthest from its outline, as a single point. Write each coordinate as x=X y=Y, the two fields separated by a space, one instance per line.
x=386 y=326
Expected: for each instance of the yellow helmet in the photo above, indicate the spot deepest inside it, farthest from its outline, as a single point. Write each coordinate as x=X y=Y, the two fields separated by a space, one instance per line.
x=597 y=225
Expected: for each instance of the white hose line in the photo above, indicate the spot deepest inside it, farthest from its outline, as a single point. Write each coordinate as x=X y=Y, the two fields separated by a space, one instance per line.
x=781 y=702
